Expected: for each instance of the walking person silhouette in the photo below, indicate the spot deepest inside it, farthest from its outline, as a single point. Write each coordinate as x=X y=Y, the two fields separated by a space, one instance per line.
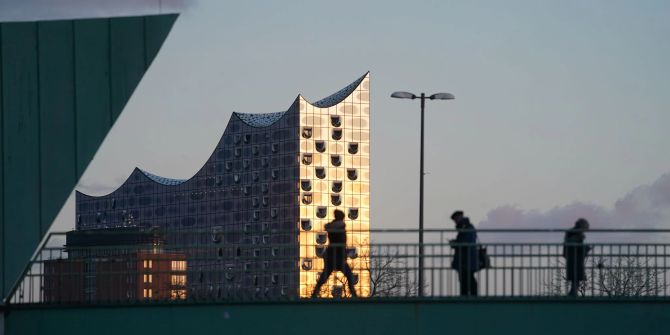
x=575 y=253
x=336 y=254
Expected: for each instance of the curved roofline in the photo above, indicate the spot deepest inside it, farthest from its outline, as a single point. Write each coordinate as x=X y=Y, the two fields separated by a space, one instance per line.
x=260 y=115
x=146 y=174
x=338 y=96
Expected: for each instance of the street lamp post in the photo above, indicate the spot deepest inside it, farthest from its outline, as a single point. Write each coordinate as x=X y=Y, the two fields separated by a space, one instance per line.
x=436 y=96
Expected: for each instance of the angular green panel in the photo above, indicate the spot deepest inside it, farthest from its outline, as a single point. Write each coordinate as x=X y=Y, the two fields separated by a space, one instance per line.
x=21 y=152
x=127 y=60
x=156 y=29
x=92 y=84
x=57 y=114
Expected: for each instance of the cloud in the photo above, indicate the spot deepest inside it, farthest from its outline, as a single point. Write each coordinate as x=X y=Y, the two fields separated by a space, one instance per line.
x=645 y=207
x=33 y=10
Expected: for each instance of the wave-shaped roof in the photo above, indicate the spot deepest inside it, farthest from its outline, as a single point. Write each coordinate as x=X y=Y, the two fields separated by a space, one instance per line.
x=162 y=180
x=340 y=95
x=260 y=119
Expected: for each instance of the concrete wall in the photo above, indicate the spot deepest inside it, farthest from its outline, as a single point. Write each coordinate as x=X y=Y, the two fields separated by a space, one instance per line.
x=62 y=86
x=455 y=317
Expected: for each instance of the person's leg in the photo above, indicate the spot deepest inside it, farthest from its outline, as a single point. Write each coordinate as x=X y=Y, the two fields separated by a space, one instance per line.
x=473 y=284
x=350 y=279
x=323 y=278
x=574 y=284
x=464 y=282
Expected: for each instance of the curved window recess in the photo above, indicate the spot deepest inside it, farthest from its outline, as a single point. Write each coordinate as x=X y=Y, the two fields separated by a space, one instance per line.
x=219 y=180
x=247 y=138
x=238 y=252
x=201 y=277
x=354 y=277
x=275 y=147
x=306 y=224
x=254 y=240
x=238 y=152
x=307 y=198
x=307 y=132
x=99 y=217
x=307 y=159
x=256 y=215
x=306 y=264
x=320 y=146
x=266 y=265
x=353 y=148
x=265 y=162
x=246 y=164
x=320 y=250
x=257 y=253
x=247 y=190
x=306 y=185
x=274 y=213
x=275 y=174
x=353 y=213
x=237 y=138
x=352 y=174
x=321 y=238
x=229 y=166
x=336 y=199
x=113 y=203
x=337 y=134
x=247 y=266
x=266 y=226
x=255 y=150
x=217 y=234
x=255 y=175
x=275 y=279
x=336 y=120
x=320 y=172
x=321 y=212
x=220 y=253
x=255 y=202
x=266 y=201
x=247 y=228
x=275 y=252
x=336 y=160
x=352 y=253
x=265 y=188
x=266 y=239
x=337 y=186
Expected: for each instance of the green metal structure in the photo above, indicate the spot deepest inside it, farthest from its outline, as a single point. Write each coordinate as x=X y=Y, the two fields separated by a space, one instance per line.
x=62 y=86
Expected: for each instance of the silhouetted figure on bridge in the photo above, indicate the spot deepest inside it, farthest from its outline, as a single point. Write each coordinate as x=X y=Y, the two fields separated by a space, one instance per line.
x=466 y=257
x=575 y=252
x=336 y=254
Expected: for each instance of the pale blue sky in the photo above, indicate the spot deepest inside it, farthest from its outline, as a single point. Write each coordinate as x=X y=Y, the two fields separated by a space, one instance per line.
x=556 y=101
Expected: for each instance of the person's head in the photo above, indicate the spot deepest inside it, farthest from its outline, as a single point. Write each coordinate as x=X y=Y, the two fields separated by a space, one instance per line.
x=457 y=216
x=582 y=224
x=339 y=215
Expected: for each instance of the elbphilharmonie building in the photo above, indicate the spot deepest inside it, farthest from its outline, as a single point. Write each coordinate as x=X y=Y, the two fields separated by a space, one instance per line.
x=251 y=220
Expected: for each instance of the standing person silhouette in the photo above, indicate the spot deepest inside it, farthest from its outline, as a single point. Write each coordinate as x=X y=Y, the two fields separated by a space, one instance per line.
x=336 y=254
x=466 y=257
x=575 y=252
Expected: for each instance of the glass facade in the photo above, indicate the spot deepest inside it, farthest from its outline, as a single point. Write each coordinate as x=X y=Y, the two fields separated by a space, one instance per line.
x=273 y=180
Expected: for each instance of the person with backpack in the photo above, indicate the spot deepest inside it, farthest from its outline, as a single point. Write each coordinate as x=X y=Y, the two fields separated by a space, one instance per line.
x=336 y=254
x=466 y=256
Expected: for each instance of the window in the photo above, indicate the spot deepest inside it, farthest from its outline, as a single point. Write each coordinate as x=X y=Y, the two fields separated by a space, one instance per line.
x=256 y=216
x=237 y=138
x=321 y=238
x=219 y=180
x=148 y=264
x=321 y=212
x=275 y=147
x=307 y=132
x=246 y=164
x=353 y=148
x=306 y=264
x=275 y=252
x=306 y=224
x=320 y=250
x=275 y=174
x=352 y=253
x=148 y=278
x=336 y=160
x=255 y=175
x=320 y=172
x=275 y=279
x=266 y=201
x=337 y=134
x=336 y=120
x=238 y=152
x=255 y=150
x=266 y=239
x=307 y=198
x=178 y=294
x=265 y=162
x=337 y=186
x=217 y=234
x=307 y=159
x=247 y=138
x=353 y=213
x=336 y=199
x=274 y=213
x=306 y=185
x=229 y=166
x=352 y=174
x=178 y=265
x=255 y=203
x=247 y=190
x=320 y=146
x=147 y=293
x=178 y=280
x=236 y=178
x=265 y=188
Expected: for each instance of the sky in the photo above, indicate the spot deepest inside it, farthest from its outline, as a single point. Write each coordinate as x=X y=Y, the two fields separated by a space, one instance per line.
x=562 y=107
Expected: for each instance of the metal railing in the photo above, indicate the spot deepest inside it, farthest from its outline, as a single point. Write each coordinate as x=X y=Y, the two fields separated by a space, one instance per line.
x=147 y=270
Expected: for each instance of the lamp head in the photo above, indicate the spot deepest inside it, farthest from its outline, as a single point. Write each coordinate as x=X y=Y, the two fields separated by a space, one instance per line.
x=442 y=96
x=403 y=95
